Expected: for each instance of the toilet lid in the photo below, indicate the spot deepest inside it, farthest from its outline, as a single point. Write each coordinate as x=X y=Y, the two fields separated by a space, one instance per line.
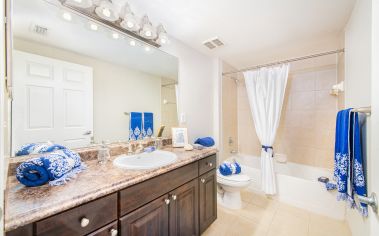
x=236 y=177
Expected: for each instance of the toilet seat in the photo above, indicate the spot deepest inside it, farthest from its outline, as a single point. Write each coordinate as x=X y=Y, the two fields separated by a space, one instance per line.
x=233 y=180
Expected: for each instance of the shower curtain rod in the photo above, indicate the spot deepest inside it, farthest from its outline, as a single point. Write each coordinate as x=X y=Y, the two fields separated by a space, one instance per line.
x=286 y=61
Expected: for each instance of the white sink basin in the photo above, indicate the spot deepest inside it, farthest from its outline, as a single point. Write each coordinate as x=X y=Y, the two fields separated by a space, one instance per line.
x=145 y=160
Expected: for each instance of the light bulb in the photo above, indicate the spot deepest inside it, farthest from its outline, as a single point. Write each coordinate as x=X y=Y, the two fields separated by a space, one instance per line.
x=132 y=43
x=148 y=33
x=93 y=27
x=130 y=24
x=106 y=12
x=115 y=35
x=67 y=16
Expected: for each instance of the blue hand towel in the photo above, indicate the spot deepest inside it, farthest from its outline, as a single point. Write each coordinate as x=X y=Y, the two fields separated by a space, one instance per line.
x=206 y=142
x=227 y=168
x=35 y=148
x=135 y=126
x=148 y=124
x=56 y=168
x=348 y=166
x=342 y=155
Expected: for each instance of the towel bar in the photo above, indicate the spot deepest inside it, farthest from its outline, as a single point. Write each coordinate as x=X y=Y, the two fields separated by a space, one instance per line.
x=366 y=110
x=372 y=201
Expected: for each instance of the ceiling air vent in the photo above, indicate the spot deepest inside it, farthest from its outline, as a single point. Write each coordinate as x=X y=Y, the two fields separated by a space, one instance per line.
x=213 y=43
x=38 y=29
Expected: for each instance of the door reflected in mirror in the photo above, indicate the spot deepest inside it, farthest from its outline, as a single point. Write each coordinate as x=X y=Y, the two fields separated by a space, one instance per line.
x=76 y=84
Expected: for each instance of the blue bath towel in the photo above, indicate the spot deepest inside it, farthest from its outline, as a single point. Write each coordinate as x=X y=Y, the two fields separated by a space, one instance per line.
x=148 y=124
x=229 y=168
x=56 y=168
x=135 y=126
x=206 y=142
x=35 y=148
x=348 y=161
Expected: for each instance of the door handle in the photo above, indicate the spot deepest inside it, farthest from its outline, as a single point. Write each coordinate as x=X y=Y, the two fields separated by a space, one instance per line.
x=89 y=132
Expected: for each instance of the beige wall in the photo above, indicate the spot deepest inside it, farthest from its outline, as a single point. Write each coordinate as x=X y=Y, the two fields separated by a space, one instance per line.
x=306 y=130
x=116 y=90
x=361 y=61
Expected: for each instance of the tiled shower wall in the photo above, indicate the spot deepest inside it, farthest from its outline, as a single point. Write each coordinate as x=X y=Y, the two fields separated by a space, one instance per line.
x=229 y=114
x=306 y=130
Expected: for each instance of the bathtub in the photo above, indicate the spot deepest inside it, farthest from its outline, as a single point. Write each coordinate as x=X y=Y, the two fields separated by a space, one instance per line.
x=297 y=185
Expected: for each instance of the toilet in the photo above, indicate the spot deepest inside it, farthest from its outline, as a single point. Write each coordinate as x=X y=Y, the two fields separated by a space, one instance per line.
x=229 y=189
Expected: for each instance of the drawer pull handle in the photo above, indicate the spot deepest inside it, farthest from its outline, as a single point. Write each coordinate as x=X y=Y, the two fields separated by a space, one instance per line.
x=84 y=222
x=167 y=201
x=202 y=180
x=210 y=164
x=173 y=197
x=114 y=232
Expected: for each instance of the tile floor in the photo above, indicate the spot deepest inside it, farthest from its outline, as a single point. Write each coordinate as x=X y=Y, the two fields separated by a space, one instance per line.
x=266 y=217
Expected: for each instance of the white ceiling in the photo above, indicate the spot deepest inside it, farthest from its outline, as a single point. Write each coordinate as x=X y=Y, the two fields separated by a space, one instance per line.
x=75 y=36
x=247 y=27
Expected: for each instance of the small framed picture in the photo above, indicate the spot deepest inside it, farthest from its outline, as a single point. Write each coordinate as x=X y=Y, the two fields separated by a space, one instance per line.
x=179 y=137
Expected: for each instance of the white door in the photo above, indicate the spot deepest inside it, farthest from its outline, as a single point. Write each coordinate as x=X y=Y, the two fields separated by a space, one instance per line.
x=53 y=101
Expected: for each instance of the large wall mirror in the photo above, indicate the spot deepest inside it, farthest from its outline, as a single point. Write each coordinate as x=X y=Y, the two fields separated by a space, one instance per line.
x=77 y=83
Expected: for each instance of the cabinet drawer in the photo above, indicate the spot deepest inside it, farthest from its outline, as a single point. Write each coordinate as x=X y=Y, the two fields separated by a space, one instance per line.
x=73 y=222
x=207 y=164
x=137 y=195
x=108 y=230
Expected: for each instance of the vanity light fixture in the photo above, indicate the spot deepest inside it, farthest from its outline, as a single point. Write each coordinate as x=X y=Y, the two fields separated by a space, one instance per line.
x=80 y=3
x=162 y=35
x=117 y=14
x=147 y=29
x=107 y=11
x=129 y=21
x=67 y=16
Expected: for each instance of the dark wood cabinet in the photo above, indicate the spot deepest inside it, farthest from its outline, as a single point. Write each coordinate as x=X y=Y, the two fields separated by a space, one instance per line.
x=207 y=199
x=179 y=202
x=184 y=210
x=151 y=219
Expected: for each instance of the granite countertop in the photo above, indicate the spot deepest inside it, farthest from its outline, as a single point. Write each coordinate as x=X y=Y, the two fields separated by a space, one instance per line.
x=25 y=205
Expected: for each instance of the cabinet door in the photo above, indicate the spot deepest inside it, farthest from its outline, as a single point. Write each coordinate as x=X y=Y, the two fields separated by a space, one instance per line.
x=149 y=220
x=208 y=199
x=184 y=210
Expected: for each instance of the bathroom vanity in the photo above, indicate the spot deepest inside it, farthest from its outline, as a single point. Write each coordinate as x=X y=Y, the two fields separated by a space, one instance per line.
x=179 y=199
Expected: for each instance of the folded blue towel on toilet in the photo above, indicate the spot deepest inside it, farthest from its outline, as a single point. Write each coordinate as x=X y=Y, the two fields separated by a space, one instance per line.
x=229 y=168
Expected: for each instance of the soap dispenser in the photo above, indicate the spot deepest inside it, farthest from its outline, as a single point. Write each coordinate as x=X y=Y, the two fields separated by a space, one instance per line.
x=103 y=154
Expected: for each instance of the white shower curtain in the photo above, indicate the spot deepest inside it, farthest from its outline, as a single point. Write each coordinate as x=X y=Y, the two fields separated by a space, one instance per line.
x=265 y=90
